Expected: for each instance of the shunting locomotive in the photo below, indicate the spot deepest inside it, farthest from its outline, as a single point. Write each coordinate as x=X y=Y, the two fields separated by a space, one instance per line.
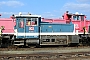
x=33 y=30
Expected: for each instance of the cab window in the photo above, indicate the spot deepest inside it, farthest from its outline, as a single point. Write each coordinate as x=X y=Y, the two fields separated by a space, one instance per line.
x=76 y=17
x=28 y=21
x=34 y=21
x=31 y=21
x=21 y=22
x=82 y=18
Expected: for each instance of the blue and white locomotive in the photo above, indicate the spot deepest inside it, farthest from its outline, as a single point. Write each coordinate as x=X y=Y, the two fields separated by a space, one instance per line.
x=27 y=29
x=30 y=29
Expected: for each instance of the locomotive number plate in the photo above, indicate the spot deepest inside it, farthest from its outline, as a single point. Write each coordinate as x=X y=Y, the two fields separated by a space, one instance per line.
x=31 y=28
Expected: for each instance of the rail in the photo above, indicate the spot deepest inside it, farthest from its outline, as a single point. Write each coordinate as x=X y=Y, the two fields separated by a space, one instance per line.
x=48 y=56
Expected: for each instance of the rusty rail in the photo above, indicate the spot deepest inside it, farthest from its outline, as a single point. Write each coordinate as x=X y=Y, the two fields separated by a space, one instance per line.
x=46 y=56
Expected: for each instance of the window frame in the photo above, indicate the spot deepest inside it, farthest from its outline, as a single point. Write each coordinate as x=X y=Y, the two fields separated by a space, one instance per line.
x=31 y=21
x=19 y=23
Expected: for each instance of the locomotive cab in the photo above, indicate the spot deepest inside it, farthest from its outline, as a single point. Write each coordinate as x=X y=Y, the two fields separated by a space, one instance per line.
x=27 y=29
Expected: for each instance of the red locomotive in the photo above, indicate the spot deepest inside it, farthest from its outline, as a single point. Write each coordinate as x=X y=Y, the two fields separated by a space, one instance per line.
x=79 y=20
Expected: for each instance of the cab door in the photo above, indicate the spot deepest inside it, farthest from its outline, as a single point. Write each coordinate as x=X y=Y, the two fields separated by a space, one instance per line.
x=21 y=27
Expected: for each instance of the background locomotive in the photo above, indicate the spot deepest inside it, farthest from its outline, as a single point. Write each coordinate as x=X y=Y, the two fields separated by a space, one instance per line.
x=27 y=30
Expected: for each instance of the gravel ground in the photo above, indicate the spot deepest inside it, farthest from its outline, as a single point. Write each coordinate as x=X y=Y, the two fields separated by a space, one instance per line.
x=47 y=50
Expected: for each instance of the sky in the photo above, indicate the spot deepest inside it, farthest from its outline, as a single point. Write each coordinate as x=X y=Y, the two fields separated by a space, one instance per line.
x=45 y=8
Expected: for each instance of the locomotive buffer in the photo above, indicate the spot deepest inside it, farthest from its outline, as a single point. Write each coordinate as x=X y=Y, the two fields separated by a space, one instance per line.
x=84 y=29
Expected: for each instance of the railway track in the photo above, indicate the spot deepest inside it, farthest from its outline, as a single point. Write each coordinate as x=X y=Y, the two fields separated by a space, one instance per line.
x=46 y=56
x=50 y=53
x=43 y=48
